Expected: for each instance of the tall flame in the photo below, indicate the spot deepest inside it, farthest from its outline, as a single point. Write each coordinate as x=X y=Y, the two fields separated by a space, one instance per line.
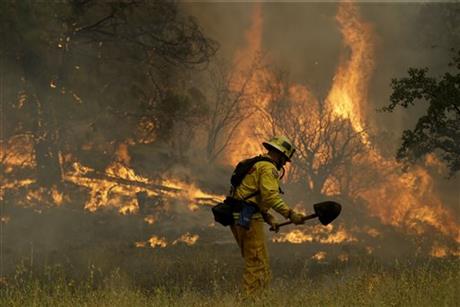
x=405 y=200
x=248 y=77
x=348 y=95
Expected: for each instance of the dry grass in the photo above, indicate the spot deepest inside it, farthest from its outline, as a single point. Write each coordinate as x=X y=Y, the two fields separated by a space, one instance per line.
x=205 y=277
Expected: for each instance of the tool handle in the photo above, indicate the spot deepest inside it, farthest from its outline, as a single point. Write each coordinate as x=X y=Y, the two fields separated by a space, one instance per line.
x=308 y=217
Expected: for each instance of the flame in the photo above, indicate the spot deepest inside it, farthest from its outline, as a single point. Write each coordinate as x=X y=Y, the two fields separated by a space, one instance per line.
x=58 y=196
x=434 y=162
x=187 y=238
x=108 y=191
x=191 y=192
x=146 y=131
x=318 y=233
x=5 y=219
x=150 y=219
x=374 y=233
x=405 y=200
x=343 y=257
x=319 y=256
x=14 y=185
x=17 y=152
x=41 y=195
x=402 y=200
x=246 y=140
x=348 y=94
x=409 y=200
x=122 y=154
x=140 y=244
x=155 y=241
x=118 y=186
x=439 y=251
x=104 y=193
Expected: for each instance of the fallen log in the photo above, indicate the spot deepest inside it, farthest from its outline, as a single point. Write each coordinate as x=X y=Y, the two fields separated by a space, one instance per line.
x=104 y=176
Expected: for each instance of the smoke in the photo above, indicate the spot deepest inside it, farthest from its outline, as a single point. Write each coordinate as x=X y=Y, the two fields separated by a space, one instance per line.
x=302 y=39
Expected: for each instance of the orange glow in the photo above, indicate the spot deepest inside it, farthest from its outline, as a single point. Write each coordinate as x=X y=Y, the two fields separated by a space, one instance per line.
x=49 y=196
x=348 y=95
x=407 y=201
x=150 y=219
x=372 y=232
x=319 y=256
x=122 y=195
x=318 y=233
x=106 y=193
x=140 y=244
x=246 y=140
x=58 y=196
x=4 y=219
x=14 y=185
x=403 y=200
x=155 y=241
x=18 y=152
x=439 y=251
x=369 y=250
x=191 y=192
x=187 y=238
x=343 y=257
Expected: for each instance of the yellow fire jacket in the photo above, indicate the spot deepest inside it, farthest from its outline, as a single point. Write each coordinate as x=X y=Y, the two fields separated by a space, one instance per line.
x=262 y=177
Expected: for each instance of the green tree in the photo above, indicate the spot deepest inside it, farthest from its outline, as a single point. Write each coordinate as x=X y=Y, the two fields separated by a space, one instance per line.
x=438 y=130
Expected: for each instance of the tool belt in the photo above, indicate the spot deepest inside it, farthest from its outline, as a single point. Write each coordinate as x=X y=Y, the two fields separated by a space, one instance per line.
x=223 y=212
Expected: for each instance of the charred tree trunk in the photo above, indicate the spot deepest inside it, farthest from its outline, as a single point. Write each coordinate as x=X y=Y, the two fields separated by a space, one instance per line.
x=39 y=78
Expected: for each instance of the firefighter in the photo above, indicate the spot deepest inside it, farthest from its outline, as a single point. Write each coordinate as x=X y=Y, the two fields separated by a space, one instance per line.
x=262 y=181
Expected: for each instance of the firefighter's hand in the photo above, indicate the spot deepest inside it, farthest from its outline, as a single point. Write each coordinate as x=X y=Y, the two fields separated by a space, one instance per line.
x=275 y=227
x=296 y=218
x=270 y=220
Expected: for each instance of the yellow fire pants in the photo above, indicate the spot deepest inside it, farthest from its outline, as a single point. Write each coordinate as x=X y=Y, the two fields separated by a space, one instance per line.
x=253 y=248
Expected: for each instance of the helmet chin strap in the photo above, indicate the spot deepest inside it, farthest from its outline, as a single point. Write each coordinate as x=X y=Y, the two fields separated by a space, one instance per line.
x=278 y=165
x=283 y=172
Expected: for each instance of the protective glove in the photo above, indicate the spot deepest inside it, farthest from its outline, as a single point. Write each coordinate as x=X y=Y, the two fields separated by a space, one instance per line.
x=270 y=220
x=296 y=218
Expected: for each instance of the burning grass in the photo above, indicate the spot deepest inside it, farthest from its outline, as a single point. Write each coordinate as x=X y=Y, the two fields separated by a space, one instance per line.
x=187 y=277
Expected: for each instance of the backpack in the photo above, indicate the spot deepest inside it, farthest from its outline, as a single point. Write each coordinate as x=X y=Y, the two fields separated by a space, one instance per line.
x=223 y=212
x=243 y=168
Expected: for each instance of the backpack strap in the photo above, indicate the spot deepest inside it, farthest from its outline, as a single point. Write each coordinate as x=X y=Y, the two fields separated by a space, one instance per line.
x=251 y=195
x=260 y=158
x=255 y=160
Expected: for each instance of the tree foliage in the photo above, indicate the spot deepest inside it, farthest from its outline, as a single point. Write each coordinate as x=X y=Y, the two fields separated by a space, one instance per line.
x=73 y=68
x=438 y=130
